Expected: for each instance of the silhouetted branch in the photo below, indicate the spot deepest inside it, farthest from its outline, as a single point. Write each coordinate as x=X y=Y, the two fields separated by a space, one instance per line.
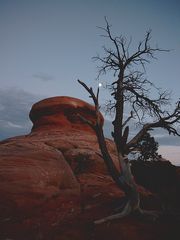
x=164 y=122
x=128 y=119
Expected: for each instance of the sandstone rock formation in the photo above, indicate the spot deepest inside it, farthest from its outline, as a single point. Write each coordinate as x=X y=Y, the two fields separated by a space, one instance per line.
x=53 y=181
x=56 y=167
x=62 y=113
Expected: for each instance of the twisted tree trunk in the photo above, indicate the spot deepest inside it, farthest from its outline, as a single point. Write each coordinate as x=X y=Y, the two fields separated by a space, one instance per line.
x=123 y=178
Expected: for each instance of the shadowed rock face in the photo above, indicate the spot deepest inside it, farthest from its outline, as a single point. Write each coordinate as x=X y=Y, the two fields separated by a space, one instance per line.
x=160 y=177
x=53 y=181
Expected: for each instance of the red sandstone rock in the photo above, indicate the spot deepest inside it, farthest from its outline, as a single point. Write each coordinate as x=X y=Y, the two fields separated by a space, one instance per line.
x=57 y=167
x=62 y=112
x=32 y=172
x=53 y=182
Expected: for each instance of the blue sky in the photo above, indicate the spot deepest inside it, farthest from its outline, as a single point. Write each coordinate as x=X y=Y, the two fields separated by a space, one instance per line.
x=45 y=45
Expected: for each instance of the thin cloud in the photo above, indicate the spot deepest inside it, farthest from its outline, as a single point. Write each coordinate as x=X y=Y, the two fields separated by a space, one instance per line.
x=159 y=135
x=43 y=77
x=15 y=105
x=13 y=125
x=7 y=124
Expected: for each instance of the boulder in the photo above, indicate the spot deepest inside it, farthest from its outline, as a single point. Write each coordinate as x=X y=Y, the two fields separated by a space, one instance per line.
x=57 y=169
x=54 y=183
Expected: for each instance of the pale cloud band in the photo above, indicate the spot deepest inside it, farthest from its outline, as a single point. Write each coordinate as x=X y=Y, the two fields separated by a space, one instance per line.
x=171 y=153
x=43 y=77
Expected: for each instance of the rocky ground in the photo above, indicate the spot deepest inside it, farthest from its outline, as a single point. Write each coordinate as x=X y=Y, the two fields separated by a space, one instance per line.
x=54 y=184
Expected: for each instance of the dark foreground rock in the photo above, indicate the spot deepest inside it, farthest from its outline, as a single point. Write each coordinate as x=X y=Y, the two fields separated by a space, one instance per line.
x=54 y=184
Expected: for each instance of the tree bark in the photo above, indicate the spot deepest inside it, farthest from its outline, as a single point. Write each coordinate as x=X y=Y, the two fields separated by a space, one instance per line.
x=126 y=174
x=133 y=202
x=119 y=106
x=123 y=178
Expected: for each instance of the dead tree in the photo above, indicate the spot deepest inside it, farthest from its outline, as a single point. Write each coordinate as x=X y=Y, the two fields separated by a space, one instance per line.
x=130 y=87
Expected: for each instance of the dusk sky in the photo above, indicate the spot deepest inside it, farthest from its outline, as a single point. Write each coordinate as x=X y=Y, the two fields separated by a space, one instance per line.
x=46 y=45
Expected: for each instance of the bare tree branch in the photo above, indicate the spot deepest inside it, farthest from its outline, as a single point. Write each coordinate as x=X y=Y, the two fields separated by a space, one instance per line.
x=164 y=122
x=128 y=119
